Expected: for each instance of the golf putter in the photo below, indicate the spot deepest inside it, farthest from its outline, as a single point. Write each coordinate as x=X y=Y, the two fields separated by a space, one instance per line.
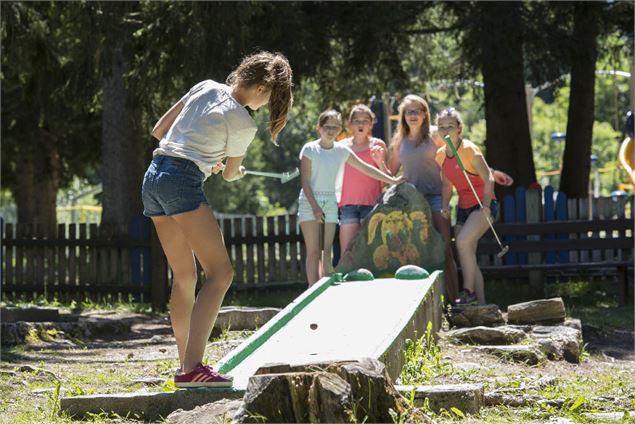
x=504 y=249
x=284 y=176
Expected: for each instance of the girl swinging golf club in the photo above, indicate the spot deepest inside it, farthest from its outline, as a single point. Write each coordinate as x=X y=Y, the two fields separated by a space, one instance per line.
x=463 y=167
x=209 y=125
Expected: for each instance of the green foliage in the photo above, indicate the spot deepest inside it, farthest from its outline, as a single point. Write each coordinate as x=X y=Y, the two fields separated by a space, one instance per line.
x=422 y=360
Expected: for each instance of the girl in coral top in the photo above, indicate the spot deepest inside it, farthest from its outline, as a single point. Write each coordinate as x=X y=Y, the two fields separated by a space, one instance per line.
x=359 y=191
x=471 y=220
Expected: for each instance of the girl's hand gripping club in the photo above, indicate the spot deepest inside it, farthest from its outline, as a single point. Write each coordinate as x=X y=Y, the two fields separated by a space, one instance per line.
x=504 y=249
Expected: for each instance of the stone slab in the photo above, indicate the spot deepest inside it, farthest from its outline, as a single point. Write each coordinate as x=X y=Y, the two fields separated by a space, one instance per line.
x=152 y=406
x=244 y=318
x=10 y=314
x=466 y=397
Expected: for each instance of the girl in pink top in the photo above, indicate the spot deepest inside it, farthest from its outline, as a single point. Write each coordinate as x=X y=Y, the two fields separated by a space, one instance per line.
x=471 y=220
x=359 y=191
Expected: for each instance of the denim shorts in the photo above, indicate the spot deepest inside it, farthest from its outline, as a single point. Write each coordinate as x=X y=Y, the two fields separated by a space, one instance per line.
x=326 y=201
x=463 y=213
x=172 y=186
x=354 y=214
x=434 y=200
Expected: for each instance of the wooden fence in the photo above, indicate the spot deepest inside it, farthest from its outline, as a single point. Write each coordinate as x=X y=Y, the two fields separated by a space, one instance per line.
x=106 y=262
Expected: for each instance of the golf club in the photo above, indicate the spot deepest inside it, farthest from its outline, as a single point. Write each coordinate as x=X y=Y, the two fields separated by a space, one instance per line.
x=284 y=176
x=504 y=249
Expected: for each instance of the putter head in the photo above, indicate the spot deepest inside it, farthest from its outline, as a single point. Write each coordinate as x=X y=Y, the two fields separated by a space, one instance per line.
x=503 y=251
x=288 y=176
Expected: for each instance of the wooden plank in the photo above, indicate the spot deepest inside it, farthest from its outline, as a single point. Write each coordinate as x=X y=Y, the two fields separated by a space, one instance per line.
x=82 y=256
x=533 y=212
x=124 y=255
x=260 y=250
x=249 y=231
x=19 y=255
x=62 y=263
x=51 y=266
x=114 y=257
x=572 y=207
x=548 y=215
x=583 y=214
x=294 y=269
x=282 y=250
x=103 y=274
x=271 y=250
x=526 y=246
x=9 y=267
x=239 y=266
x=509 y=216
x=93 y=229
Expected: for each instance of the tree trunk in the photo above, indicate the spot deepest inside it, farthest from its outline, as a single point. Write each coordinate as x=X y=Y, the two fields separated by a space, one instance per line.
x=508 y=136
x=576 y=161
x=24 y=193
x=121 y=153
x=46 y=182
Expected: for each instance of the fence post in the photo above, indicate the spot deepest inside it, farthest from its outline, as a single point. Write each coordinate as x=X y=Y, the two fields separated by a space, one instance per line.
x=534 y=215
x=159 y=273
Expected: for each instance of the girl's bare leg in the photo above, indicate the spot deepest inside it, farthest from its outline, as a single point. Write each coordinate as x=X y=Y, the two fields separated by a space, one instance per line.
x=450 y=273
x=466 y=242
x=327 y=257
x=203 y=235
x=310 y=232
x=347 y=233
x=181 y=261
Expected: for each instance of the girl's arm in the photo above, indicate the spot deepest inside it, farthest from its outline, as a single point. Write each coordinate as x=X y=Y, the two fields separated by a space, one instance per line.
x=164 y=124
x=371 y=171
x=234 y=169
x=378 y=153
x=446 y=195
x=502 y=178
x=484 y=171
x=305 y=181
x=394 y=163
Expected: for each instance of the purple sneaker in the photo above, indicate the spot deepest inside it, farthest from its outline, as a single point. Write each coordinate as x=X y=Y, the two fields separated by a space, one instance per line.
x=202 y=376
x=466 y=297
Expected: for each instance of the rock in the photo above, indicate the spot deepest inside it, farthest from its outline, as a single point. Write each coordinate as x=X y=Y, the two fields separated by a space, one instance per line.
x=219 y=411
x=544 y=311
x=559 y=342
x=346 y=391
x=398 y=231
x=528 y=354
x=243 y=317
x=474 y=315
x=35 y=314
x=156 y=339
x=486 y=335
x=34 y=370
x=573 y=323
x=466 y=397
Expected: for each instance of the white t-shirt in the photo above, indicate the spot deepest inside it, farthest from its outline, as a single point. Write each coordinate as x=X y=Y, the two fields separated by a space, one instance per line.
x=327 y=167
x=211 y=126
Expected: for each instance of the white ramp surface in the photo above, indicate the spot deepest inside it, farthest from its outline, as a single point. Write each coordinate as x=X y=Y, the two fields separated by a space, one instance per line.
x=339 y=321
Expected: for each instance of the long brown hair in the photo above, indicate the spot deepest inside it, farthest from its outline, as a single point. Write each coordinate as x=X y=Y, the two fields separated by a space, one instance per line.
x=403 y=130
x=271 y=70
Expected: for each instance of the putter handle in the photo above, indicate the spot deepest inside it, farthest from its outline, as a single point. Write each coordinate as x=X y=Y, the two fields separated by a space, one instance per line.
x=264 y=174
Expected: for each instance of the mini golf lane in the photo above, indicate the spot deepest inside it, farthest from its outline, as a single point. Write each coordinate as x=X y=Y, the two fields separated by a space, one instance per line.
x=342 y=320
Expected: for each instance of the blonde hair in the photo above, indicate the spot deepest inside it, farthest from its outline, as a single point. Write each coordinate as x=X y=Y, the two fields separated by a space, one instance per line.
x=271 y=70
x=403 y=130
x=360 y=108
x=327 y=114
x=450 y=113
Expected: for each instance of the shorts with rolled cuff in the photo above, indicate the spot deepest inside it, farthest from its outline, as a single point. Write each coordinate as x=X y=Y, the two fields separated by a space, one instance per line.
x=326 y=201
